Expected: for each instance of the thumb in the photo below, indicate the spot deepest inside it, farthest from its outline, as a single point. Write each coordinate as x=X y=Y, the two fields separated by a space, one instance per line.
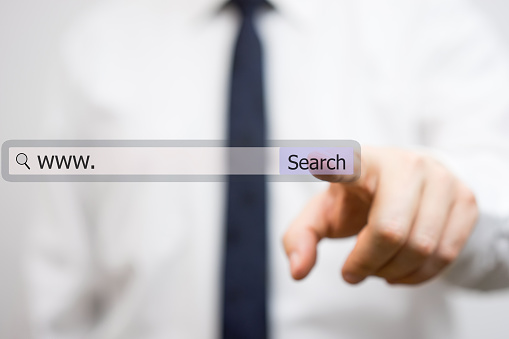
x=302 y=237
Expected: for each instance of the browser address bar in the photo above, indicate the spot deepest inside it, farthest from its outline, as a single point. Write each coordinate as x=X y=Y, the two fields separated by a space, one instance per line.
x=137 y=160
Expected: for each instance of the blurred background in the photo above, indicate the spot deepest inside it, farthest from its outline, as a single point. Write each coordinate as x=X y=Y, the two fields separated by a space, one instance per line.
x=29 y=34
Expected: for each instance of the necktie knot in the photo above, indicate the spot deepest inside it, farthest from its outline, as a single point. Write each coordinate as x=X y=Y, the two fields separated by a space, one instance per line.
x=247 y=7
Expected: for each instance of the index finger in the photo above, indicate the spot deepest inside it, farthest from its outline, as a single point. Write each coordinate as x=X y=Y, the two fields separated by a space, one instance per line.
x=338 y=178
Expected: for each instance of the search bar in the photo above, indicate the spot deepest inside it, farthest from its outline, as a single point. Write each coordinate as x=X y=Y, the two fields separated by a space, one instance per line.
x=165 y=160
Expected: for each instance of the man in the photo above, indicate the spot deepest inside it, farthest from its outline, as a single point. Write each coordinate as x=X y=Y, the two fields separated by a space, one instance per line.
x=422 y=85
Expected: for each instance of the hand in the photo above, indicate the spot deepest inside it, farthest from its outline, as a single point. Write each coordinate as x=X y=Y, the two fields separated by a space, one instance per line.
x=412 y=217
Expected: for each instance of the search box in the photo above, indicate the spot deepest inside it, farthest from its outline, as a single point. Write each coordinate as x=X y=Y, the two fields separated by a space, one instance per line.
x=164 y=160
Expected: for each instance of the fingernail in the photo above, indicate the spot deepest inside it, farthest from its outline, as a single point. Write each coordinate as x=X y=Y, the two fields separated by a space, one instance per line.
x=353 y=278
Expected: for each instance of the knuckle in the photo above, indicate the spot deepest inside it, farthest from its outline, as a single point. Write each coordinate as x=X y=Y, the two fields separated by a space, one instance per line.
x=469 y=198
x=447 y=255
x=390 y=233
x=416 y=161
x=422 y=246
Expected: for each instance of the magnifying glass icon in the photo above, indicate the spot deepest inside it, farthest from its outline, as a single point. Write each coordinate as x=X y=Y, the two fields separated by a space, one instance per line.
x=22 y=159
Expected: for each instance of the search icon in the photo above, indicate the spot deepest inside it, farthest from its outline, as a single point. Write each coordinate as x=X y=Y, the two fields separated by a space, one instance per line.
x=22 y=159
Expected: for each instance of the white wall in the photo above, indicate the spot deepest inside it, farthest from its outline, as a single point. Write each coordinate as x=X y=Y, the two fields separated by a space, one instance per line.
x=29 y=31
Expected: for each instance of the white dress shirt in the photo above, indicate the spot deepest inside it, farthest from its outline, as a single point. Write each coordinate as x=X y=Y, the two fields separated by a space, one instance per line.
x=143 y=260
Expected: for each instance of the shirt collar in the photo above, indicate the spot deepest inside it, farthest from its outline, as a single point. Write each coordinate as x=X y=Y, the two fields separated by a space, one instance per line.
x=299 y=10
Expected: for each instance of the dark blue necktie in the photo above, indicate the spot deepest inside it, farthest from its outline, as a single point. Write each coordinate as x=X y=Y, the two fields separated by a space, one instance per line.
x=245 y=270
